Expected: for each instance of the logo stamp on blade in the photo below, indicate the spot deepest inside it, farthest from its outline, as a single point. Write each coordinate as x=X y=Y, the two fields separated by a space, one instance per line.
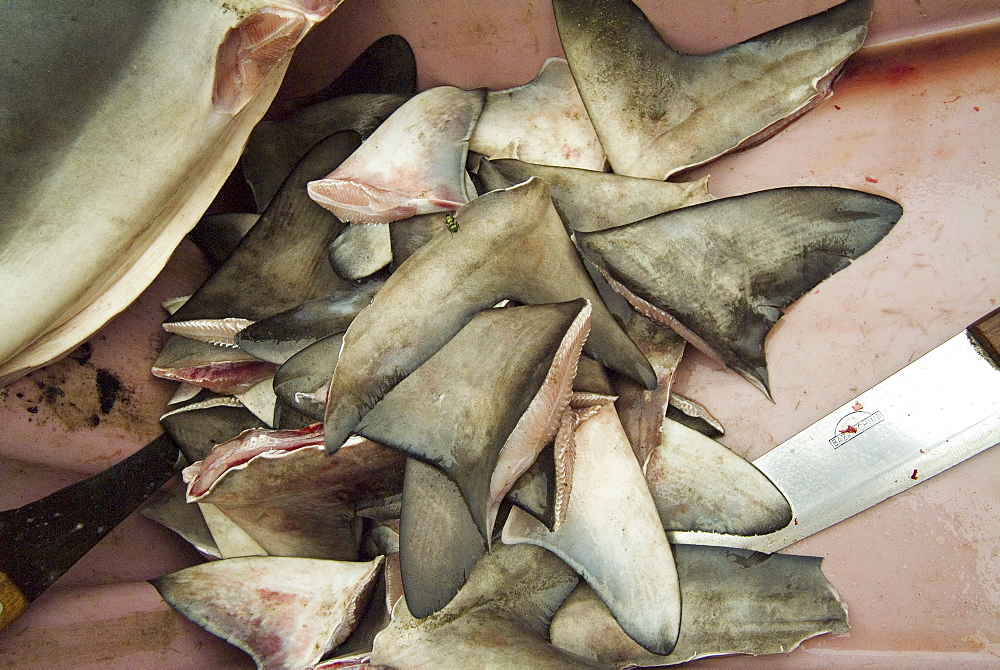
x=853 y=424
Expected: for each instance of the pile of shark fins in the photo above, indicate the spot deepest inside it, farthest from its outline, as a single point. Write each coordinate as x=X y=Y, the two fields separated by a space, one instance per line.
x=441 y=423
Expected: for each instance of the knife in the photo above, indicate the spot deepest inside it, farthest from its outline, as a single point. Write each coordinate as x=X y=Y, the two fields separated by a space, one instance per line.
x=935 y=413
x=42 y=540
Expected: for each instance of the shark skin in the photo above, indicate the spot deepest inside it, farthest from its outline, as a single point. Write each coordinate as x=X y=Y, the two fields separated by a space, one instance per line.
x=499 y=619
x=589 y=201
x=439 y=543
x=659 y=112
x=279 y=337
x=510 y=244
x=721 y=273
x=700 y=484
x=543 y=121
x=735 y=602
x=609 y=515
x=290 y=234
x=386 y=66
x=303 y=381
x=138 y=115
x=283 y=255
x=484 y=406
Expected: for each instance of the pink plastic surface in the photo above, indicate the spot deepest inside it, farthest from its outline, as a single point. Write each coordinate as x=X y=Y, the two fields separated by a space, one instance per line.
x=916 y=119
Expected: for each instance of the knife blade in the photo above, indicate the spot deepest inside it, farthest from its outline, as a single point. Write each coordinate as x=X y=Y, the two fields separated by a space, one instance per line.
x=938 y=411
x=41 y=540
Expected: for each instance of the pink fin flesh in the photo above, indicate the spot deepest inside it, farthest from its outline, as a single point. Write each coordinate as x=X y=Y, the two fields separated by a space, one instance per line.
x=540 y=422
x=248 y=53
x=225 y=378
x=201 y=476
x=361 y=203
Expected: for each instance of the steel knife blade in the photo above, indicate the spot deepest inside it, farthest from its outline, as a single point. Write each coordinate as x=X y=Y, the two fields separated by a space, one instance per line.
x=938 y=411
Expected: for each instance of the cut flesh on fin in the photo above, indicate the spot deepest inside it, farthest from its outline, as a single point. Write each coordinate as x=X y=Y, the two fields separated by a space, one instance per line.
x=535 y=490
x=641 y=411
x=543 y=490
x=413 y=164
x=273 y=149
x=253 y=48
x=285 y=612
x=658 y=111
x=208 y=421
x=294 y=500
x=694 y=415
x=225 y=370
x=214 y=331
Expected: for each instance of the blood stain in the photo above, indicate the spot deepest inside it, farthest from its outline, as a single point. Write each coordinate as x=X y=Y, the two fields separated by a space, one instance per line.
x=899 y=72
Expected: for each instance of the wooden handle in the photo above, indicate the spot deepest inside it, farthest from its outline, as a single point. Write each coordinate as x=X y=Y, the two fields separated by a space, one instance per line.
x=987 y=333
x=12 y=601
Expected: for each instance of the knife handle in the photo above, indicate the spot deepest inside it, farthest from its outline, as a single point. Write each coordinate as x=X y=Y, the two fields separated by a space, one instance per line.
x=986 y=332
x=12 y=601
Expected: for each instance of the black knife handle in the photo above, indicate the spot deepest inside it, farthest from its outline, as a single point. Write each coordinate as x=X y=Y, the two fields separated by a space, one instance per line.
x=43 y=539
